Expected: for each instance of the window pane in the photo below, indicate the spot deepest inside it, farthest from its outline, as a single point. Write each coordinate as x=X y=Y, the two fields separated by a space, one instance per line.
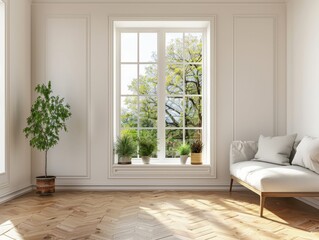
x=133 y=134
x=151 y=135
x=148 y=111
x=174 y=112
x=148 y=47
x=174 y=138
x=128 y=47
x=193 y=47
x=174 y=47
x=193 y=79
x=128 y=79
x=193 y=111
x=192 y=134
x=141 y=90
x=128 y=112
x=148 y=79
x=174 y=79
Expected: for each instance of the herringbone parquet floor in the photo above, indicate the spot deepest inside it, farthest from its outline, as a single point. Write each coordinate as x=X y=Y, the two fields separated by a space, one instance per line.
x=163 y=215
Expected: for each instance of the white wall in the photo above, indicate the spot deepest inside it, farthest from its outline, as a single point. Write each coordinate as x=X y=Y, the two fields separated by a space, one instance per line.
x=303 y=58
x=70 y=48
x=302 y=69
x=18 y=176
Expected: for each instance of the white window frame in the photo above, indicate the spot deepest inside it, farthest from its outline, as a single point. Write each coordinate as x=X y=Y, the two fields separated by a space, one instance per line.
x=4 y=176
x=173 y=169
x=161 y=94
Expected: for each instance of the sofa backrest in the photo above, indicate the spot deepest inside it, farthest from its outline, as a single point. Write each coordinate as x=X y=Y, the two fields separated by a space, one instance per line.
x=246 y=150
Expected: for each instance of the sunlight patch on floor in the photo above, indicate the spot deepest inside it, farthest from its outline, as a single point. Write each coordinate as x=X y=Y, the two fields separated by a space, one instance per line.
x=8 y=228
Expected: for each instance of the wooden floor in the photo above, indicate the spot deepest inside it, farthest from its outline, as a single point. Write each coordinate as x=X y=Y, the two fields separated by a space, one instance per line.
x=156 y=215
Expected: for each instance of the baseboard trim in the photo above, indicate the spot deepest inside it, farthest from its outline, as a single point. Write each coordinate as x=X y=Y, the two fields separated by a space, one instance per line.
x=11 y=195
x=314 y=202
x=146 y=188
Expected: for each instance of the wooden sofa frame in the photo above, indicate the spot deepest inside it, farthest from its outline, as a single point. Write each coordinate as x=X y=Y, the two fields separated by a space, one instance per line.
x=263 y=195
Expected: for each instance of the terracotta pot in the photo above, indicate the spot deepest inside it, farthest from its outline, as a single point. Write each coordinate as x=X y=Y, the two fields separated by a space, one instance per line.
x=184 y=159
x=125 y=160
x=45 y=185
x=146 y=159
x=196 y=158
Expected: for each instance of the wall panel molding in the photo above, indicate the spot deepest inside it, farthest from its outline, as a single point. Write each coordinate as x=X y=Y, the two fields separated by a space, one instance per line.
x=87 y=29
x=275 y=93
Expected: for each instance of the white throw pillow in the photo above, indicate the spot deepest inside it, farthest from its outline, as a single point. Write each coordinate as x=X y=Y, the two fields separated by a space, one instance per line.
x=307 y=154
x=275 y=149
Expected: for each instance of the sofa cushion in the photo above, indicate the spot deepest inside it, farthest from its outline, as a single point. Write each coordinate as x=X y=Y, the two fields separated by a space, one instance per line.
x=307 y=154
x=242 y=151
x=267 y=177
x=293 y=151
x=275 y=149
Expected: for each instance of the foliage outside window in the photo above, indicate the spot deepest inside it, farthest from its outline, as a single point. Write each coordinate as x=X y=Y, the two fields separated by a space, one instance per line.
x=160 y=85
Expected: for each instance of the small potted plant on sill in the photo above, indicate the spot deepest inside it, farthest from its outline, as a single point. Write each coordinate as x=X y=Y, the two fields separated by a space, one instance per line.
x=184 y=151
x=146 y=148
x=125 y=148
x=196 y=155
x=48 y=117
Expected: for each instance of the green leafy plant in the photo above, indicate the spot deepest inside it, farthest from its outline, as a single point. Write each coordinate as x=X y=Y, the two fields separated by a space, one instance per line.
x=184 y=149
x=146 y=147
x=48 y=117
x=125 y=146
x=197 y=146
x=147 y=144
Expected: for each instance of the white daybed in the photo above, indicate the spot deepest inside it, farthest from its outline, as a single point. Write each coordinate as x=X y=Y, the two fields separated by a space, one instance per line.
x=255 y=169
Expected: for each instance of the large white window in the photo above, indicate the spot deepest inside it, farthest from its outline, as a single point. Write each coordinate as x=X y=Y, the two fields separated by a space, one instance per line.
x=2 y=86
x=161 y=85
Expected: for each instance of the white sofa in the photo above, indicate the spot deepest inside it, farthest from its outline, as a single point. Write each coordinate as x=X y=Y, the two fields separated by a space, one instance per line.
x=269 y=179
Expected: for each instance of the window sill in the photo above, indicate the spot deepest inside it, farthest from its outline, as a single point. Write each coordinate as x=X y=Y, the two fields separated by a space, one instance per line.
x=161 y=170
x=160 y=164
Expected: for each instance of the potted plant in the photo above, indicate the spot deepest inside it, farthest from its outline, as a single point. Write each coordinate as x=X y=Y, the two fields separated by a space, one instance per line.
x=48 y=116
x=196 y=155
x=184 y=151
x=125 y=148
x=146 y=148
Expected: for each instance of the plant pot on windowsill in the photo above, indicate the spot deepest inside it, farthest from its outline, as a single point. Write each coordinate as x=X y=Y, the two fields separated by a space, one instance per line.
x=196 y=155
x=183 y=159
x=196 y=158
x=47 y=119
x=184 y=151
x=125 y=160
x=146 y=159
x=125 y=147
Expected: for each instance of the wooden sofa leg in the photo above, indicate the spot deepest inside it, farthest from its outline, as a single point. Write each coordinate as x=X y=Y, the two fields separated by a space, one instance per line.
x=231 y=184
x=262 y=203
